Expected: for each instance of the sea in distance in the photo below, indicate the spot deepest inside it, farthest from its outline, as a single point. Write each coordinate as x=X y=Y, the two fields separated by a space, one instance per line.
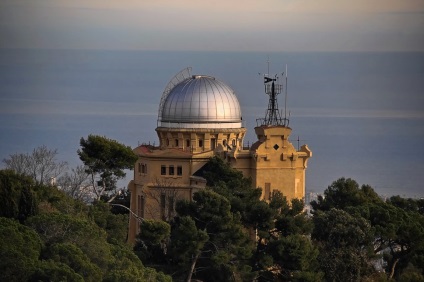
x=361 y=114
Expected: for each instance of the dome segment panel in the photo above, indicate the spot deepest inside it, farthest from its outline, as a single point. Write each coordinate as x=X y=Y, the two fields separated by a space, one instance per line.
x=201 y=102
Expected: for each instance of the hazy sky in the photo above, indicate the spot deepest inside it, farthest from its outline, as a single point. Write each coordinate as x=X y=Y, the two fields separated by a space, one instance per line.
x=220 y=25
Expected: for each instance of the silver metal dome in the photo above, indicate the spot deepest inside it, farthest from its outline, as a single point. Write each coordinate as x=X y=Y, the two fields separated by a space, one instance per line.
x=200 y=102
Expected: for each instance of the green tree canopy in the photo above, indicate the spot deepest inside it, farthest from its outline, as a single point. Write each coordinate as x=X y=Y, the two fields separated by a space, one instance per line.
x=244 y=199
x=115 y=225
x=344 y=242
x=188 y=241
x=396 y=229
x=50 y=270
x=20 y=249
x=61 y=238
x=273 y=225
x=62 y=228
x=105 y=160
x=224 y=253
x=72 y=256
x=152 y=240
x=206 y=241
x=286 y=252
x=17 y=195
x=344 y=193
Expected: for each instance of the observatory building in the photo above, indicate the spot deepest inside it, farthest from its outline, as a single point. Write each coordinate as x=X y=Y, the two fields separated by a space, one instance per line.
x=200 y=117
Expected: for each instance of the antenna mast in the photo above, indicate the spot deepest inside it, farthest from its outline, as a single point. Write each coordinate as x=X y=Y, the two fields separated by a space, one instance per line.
x=285 y=99
x=272 y=89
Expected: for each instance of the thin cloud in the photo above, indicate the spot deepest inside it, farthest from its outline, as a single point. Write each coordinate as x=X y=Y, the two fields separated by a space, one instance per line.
x=301 y=25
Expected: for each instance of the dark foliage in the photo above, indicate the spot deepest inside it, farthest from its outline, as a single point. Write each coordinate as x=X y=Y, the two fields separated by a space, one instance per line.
x=63 y=239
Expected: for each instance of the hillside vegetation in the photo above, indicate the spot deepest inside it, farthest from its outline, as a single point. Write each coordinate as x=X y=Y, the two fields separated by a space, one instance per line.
x=46 y=235
x=225 y=233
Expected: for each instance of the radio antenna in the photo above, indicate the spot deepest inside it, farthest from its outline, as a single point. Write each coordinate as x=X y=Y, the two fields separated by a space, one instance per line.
x=298 y=142
x=267 y=62
x=285 y=98
x=272 y=89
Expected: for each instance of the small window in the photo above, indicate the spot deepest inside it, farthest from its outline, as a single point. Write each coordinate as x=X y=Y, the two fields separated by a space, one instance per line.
x=234 y=142
x=163 y=170
x=188 y=143
x=140 y=167
x=213 y=143
x=179 y=170
x=224 y=142
x=200 y=143
x=176 y=143
x=167 y=142
x=171 y=170
x=267 y=195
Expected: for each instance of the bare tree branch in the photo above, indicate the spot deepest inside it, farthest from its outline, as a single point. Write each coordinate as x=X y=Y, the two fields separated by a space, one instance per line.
x=77 y=184
x=163 y=188
x=41 y=164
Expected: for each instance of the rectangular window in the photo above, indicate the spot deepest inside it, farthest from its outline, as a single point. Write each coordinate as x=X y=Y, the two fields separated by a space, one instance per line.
x=162 y=200
x=162 y=206
x=213 y=145
x=163 y=170
x=179 y=170
x=171 y=170
x=200 y=143
x=170 y=206
x=139 y=167
x=176 y=142
x=140 y=206
x=140 y=210
x=188 y=143
x=267 y=195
